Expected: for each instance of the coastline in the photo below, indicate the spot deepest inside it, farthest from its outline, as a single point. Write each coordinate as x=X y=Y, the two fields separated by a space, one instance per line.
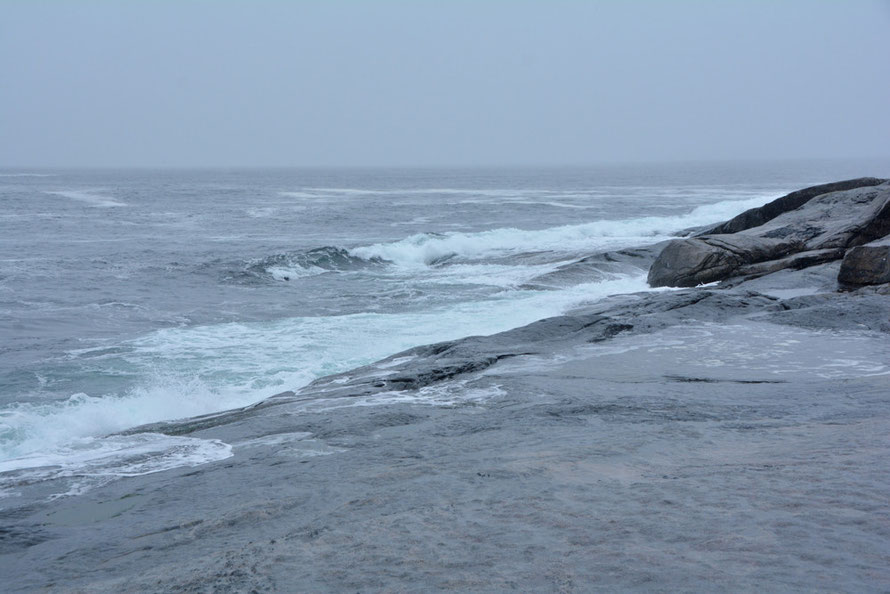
x=677 y=439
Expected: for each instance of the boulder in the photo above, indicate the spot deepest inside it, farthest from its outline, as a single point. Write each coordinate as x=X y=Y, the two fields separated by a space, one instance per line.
x=819 y=229
x=867 y=264
x=691 y=262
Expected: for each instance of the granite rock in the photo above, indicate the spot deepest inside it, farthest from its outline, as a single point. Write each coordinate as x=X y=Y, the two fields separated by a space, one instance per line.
x=818 y=230
x=867 y=264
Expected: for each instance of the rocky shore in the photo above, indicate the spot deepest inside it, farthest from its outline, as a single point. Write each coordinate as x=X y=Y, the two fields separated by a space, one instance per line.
x=804 y=228
x=727 y=436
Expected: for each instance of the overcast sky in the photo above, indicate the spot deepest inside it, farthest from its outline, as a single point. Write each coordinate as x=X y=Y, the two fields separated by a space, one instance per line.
x=440 y=83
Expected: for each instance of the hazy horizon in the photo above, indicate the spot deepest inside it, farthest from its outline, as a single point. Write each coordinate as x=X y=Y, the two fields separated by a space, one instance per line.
x=883 y=161
x=418 y=85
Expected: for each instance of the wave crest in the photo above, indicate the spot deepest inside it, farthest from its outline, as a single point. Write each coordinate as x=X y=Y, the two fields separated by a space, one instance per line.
x=429 y=249
x=293 y=265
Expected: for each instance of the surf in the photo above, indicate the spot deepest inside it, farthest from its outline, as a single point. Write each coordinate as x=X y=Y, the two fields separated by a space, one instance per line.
x=425 y=249
x=192 y=371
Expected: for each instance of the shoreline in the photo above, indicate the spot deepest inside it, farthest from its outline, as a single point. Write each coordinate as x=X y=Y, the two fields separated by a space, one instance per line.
x=732 y=435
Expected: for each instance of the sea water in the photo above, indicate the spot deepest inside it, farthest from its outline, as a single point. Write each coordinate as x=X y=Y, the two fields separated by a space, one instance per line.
x=134 y=296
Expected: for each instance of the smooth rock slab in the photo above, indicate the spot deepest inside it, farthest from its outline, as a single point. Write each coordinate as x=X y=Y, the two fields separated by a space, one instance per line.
x=703 y=449
x=763 y=214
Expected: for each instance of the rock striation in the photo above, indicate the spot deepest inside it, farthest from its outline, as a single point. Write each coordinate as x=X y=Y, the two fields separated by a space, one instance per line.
x=758 y=216
x=807 y=227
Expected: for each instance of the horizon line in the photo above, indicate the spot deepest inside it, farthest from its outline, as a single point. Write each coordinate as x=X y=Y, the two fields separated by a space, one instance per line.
x=542 y=165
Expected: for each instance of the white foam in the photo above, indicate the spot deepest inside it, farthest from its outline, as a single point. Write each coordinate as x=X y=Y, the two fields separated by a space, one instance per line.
x=495 y=193
x=423 y=249
x=29 y=428
x=89 y=462
x=480 y=195
x=395 y=362
x=493 y=275
x=89 y=197
x=262 y=212
x=206 y=369
x=756 y=350
x=286 y=273
x=556 y=204
x=299 y=194
x=446 y=394
x=122 y=455
x=27 y=174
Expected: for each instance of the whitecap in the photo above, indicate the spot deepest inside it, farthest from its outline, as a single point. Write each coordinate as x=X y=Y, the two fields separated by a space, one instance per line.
x=88 y=197
x=286 y=273
x=424 y=249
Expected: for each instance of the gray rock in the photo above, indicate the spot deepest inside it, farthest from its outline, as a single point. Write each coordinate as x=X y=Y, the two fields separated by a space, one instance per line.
x=585 y=467
x=663 y=458
x=595 y=267
x=817 y=231
x=835 y=220
x=763 y=214
x=691 y=262
x=793 y=262
x=867 y=264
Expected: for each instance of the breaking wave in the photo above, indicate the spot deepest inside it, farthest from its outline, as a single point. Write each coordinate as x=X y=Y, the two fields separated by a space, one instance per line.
x=436 y=249
x=294 y=265
x=204 y=369
x=426 y=249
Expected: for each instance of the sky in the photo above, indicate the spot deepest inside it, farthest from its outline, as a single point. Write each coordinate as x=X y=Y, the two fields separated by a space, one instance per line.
x=424 y=83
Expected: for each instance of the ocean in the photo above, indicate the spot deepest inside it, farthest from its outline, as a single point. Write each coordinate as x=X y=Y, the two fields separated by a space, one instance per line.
x=135 y=296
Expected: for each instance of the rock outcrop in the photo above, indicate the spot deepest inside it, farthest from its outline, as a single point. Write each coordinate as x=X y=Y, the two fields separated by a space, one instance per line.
x=807 y=227
x=867 y=264
x=758 y=216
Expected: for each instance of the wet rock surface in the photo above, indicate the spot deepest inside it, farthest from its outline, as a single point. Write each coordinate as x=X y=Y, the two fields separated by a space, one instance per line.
x=807 y=227
x=867 y=264
x=758 y=216
x=597 y=267
x=677 y=440
x=728 y=437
